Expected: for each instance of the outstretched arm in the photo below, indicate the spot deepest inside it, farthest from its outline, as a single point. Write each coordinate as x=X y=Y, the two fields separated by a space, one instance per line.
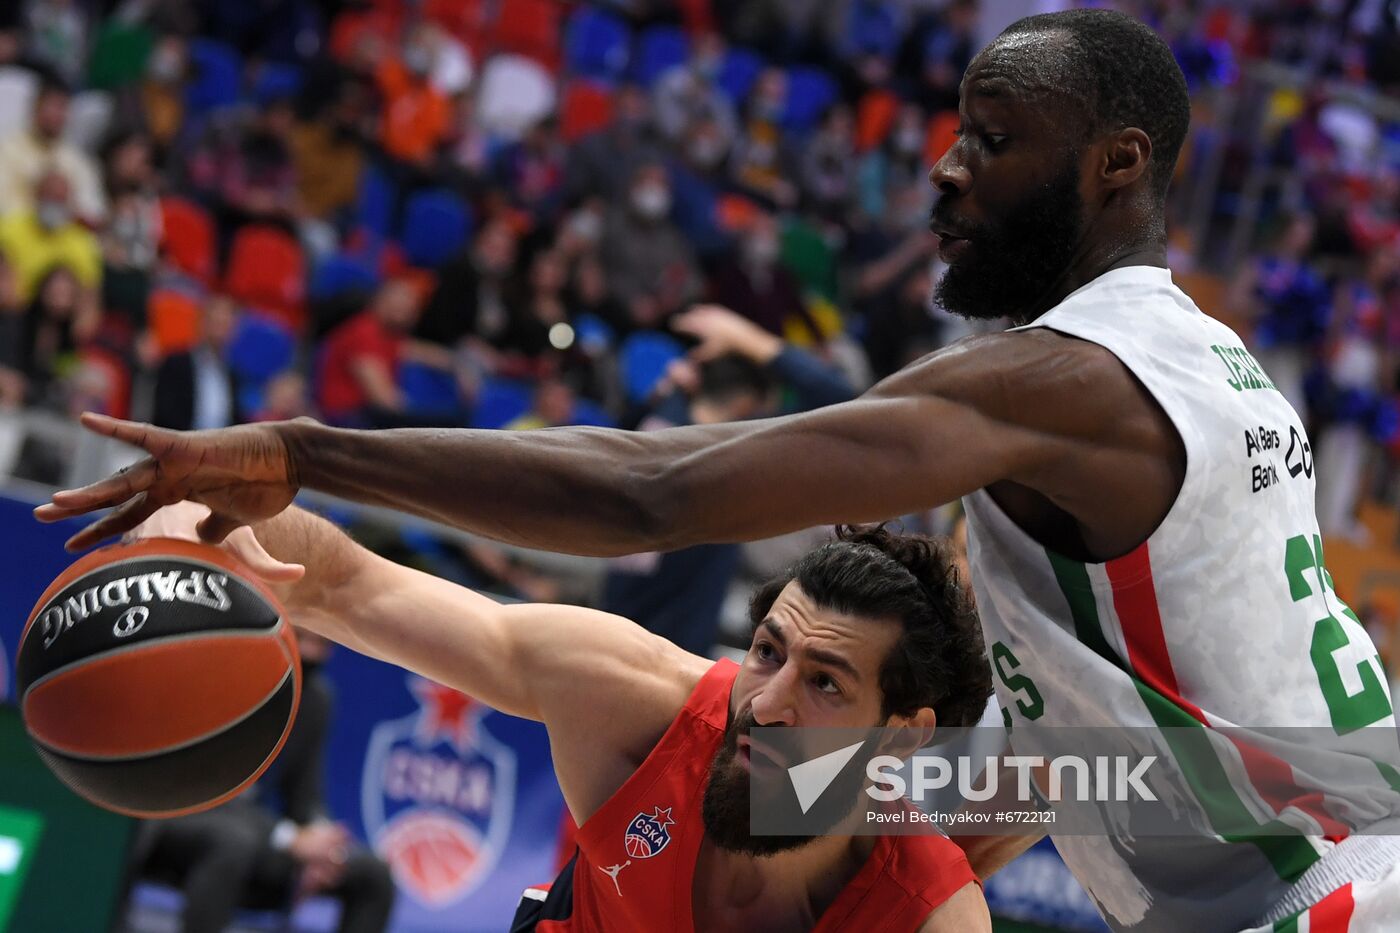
x=606 y=688
x=1033 y=408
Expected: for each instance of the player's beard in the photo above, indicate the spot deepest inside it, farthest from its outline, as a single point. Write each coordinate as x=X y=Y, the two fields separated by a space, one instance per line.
x=1010 y=268
x=729 y=801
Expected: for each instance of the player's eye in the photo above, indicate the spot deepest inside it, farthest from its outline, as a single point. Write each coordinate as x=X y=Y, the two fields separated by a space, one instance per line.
x=994 y=141
x=825 y=684
x=765 y=651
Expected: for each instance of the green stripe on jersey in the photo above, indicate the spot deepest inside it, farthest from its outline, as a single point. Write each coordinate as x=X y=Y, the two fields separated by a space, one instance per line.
x=1290 y=854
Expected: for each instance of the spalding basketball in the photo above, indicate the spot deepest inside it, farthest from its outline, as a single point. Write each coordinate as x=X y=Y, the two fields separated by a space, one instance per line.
x=158 y=678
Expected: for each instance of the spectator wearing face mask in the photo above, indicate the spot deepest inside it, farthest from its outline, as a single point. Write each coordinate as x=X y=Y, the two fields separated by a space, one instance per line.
x=755 y=283
x=532 y=170
x=687 y=94
x=698 y=180
x=650 y=264
x=162 y=91
x=827 y=167
x=131 y=238
x=896 y=164
x=603 y=163
x=417 y=116
x=40 y=147
x=761 y=162
x=471 y=293
x=46 y=236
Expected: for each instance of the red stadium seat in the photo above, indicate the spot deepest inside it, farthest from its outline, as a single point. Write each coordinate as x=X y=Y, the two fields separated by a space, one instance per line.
x=187 y=238
x=266 y=270
x=942 y=129
x=874 y=117
x=174 y=320
x=464 y=19
x=531 y=28
x=587 y=108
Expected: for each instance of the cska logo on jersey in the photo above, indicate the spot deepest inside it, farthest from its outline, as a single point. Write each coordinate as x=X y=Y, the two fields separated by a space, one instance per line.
x=438 y=794
x=648 y=835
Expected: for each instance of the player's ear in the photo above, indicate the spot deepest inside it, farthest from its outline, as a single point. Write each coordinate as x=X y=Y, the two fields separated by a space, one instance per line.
x=905 y=735
x=1127 y=154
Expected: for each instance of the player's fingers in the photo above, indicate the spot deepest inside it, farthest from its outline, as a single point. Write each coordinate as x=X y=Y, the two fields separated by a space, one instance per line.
x=215 y=527
x=250 y=550
x=114 y=523
x=153 y=440
x=113 y=490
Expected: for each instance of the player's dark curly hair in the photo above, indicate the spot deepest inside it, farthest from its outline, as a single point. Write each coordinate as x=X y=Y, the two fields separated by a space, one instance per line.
x=940 y=661
x=1116 y=70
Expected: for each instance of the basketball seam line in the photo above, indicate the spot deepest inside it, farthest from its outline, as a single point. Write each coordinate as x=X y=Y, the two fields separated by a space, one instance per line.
x=189 y=743
x=79 y=663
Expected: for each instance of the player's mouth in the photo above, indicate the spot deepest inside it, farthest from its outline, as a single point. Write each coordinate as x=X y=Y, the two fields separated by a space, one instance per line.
x=950 y=244
x=749 y=751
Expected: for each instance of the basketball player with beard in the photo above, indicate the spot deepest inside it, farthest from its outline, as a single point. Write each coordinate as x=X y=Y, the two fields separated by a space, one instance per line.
x=652 y=745
x=1140 y=497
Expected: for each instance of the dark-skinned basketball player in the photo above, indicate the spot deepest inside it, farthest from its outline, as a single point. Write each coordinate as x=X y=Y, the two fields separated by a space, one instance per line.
x=1142 y=535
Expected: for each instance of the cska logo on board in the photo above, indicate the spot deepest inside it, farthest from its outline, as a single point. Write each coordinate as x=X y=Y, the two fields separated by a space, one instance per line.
x=438 y=795
x=647 y=835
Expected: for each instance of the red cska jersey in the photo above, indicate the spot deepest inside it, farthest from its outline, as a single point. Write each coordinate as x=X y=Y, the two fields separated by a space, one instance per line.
x=636 y=860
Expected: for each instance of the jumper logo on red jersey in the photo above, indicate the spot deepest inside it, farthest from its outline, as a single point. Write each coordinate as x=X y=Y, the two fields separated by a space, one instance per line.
x=438 y=795
x=648 y=835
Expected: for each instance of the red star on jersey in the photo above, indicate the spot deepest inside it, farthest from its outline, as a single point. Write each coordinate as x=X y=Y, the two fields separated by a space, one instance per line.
x=662 y=815
x=445 y=711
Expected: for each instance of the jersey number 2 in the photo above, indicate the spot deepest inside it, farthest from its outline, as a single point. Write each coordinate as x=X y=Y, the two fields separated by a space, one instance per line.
x=1349 y=711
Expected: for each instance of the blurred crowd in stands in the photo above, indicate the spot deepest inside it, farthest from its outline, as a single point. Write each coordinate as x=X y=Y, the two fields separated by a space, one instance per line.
x=530 y=213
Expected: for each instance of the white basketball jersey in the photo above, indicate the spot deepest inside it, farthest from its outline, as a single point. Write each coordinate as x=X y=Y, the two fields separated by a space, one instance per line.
x=1225 y=617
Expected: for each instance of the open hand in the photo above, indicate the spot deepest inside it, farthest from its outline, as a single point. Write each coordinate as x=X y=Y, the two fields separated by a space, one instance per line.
x=244 y=474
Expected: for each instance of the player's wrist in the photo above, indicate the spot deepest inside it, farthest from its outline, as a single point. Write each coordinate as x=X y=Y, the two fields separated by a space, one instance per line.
x=299 y=438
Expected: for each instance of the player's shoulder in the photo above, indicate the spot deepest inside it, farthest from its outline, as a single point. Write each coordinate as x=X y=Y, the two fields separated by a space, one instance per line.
x=1035 y=373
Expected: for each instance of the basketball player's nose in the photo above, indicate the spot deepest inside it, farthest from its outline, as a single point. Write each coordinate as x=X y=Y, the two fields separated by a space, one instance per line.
x=775 y=704
x=949 y=175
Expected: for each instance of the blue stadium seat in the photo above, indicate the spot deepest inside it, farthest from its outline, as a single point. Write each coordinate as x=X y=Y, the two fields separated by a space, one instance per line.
x=810 y=92
x=659 y=49
x=374 y=209
x=250 y=398
x=501 y=401
x=591 y=414
x=435 y=226
x=276 y=81
x=217 y=76
x=260 y=349
x=596 y=44
x=738 y=72
x=643 y=360
x=342 y=274
x=427 y=390
x=594 y=334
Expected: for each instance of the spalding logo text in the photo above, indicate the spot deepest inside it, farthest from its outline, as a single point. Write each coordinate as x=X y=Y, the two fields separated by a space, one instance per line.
x=197 y=587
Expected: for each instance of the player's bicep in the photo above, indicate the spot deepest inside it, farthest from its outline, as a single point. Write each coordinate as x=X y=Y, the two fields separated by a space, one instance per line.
x=597 y=672
x=866 y=460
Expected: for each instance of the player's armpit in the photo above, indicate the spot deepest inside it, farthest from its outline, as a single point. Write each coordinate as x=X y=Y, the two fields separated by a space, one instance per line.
x=964 y=912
